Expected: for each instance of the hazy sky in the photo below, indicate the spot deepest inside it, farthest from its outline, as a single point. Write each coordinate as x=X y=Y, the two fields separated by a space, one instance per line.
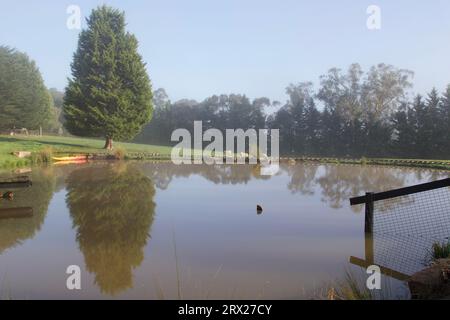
x=198 y=48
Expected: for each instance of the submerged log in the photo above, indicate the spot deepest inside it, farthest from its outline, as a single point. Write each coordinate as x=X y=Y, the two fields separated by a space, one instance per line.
x=16 y=213
x=16 y=184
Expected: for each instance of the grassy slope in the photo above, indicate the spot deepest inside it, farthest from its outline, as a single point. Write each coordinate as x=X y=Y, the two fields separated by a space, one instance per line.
x=73 y=145
x=66 y=145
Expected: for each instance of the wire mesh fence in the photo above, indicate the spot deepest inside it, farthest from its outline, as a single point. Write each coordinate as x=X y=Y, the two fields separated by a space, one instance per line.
x=404 y=254
x=402 y=225
x=423 y=214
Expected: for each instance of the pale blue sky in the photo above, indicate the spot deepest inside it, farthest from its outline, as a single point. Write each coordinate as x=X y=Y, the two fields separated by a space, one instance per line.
x=197 y=48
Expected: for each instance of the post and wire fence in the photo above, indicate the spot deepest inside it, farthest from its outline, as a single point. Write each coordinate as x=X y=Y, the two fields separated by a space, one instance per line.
x=402 y=225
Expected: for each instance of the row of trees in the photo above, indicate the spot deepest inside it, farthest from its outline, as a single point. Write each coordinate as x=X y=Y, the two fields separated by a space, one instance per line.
x=109 y=94
x=218 y=111
x=422 y=128
x=367 y=116
x=352 y=114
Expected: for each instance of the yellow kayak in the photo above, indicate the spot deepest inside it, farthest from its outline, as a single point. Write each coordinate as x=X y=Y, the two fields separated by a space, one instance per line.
x=70 y=158
x=58 y=163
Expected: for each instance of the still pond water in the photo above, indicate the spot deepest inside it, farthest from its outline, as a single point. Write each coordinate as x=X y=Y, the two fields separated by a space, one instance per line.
x=160 y=231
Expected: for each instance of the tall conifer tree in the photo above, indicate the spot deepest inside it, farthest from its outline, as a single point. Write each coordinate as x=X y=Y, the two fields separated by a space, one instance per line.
x=109 y=94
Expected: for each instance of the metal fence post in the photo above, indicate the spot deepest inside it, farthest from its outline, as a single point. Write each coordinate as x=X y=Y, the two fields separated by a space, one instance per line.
x=368 y=225
x=368 y=228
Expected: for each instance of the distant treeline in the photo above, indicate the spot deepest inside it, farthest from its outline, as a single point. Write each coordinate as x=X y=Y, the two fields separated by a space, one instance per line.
x=352 y=114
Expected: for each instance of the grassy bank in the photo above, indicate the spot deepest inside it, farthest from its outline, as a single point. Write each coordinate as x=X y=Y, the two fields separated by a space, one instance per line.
x=71 y=146
x=419 y=163
x=45 y=146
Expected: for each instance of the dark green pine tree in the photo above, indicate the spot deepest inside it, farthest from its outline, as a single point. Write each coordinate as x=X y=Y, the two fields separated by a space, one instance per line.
x=421 y=126
x=433 y=124
x=110 y=93
x=404 y=123
x=24 y=100
x=313 y=134
x=444 y=116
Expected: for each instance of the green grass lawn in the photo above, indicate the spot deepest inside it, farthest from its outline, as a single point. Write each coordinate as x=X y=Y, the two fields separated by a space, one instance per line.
x=73 y=145
x=67 y=146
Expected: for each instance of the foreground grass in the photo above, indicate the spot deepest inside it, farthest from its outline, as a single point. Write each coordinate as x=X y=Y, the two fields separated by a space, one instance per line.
x=440 y=250
x=70 y=146
x=352 y=286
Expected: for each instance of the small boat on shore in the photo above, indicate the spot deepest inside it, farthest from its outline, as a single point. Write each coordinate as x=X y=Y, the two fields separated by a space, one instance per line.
x=71 y=158
x=71 y=162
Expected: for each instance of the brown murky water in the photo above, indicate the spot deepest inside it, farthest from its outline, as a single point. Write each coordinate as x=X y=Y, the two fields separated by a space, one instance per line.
x=160 y=231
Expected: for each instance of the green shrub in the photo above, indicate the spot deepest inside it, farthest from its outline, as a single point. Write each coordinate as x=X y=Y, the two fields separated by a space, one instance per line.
x=440 y=250
x=42 y=156
x=119 y=153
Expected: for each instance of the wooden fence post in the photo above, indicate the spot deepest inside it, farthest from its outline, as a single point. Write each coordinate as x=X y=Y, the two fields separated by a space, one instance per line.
x=368 y=224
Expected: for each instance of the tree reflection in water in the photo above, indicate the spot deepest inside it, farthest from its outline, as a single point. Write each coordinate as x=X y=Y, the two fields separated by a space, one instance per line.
x=14 y=231
x=302 y=178
x=112 y=205
x=112 y=210
x=341 y=182
x=336 y=183
x=163 y=173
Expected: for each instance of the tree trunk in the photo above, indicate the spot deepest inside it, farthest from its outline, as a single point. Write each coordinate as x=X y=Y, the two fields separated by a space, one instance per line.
x=108 y=143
